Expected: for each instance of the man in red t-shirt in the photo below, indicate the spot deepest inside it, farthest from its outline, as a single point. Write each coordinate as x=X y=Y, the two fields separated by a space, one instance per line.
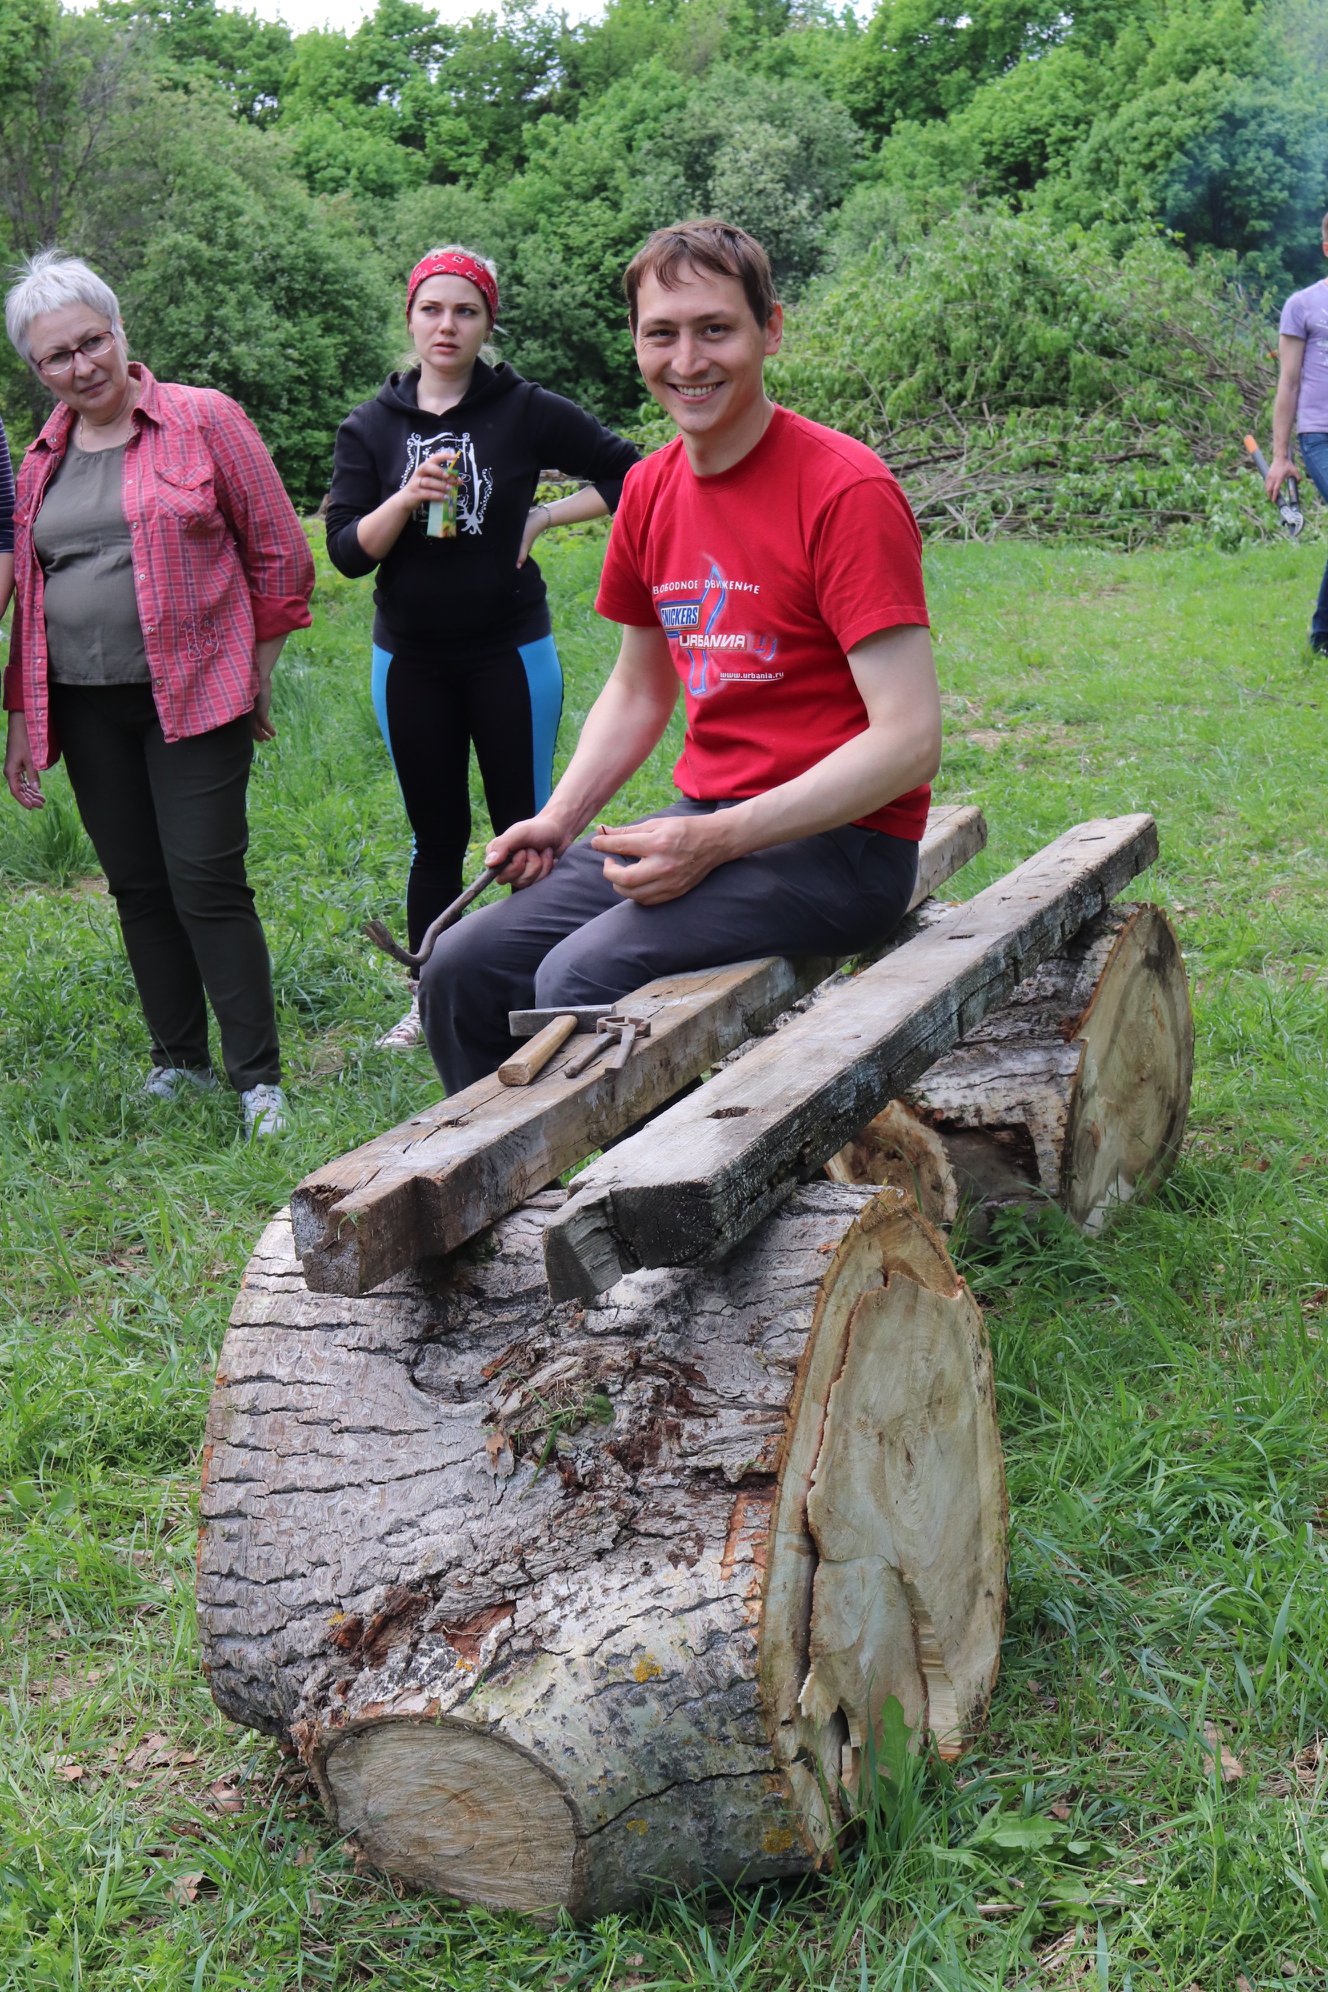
x=773 y=568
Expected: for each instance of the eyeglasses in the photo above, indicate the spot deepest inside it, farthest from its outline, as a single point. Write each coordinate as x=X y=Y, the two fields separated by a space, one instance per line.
x=92 y=348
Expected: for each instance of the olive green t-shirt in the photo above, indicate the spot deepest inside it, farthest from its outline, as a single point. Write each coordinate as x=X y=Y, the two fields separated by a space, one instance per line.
x=93 y=635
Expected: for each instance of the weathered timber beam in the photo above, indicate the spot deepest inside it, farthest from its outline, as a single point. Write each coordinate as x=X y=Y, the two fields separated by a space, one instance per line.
x=714 y=1164
x=425 y=1187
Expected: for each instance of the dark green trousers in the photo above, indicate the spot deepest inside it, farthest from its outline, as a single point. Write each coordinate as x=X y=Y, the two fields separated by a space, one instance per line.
x=169 y=828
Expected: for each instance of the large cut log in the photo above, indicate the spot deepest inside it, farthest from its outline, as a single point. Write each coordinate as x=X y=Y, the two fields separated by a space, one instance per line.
x=425 y=1187
x=1075 y=1092
x=560 y=1604
x=714 y=1164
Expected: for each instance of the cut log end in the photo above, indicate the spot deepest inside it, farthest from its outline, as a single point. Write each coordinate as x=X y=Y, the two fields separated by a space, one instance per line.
x=447 y=1807
x=1127 y=1116
x=892 y=1497
x=1075 y=1092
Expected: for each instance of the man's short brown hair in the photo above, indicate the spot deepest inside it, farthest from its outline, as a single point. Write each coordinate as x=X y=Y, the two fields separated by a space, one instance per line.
x=716 y=246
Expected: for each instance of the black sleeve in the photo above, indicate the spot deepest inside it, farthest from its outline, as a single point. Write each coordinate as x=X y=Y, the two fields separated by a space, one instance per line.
x=355 y=491
x=6 y=495
x=570 y=440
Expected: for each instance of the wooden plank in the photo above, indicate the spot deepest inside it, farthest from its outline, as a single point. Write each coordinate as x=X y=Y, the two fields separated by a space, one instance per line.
x=716 y=1163
x=425 y=1187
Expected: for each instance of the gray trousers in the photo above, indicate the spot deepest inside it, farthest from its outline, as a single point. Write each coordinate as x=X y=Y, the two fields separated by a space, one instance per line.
x=572 y=940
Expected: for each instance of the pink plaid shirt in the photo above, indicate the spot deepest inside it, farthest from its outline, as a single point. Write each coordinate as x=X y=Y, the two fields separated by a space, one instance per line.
x=220 y=559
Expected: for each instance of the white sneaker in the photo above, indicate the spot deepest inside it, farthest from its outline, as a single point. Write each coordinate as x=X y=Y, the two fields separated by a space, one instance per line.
x=409 y=1032
x=264 y=1111
x=164 y=1081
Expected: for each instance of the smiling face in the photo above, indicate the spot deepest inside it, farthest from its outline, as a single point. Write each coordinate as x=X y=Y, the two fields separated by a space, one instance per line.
x=701 y=353
x=449 y=322
x=99 y=389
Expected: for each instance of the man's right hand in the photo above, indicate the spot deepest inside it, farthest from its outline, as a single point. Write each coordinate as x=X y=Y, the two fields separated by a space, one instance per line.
x=527 y=851
x=20 y=768
x=1279 y=470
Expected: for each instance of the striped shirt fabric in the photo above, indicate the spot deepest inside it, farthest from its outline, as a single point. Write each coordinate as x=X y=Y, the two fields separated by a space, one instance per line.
x=6 y=495
x=220 y=559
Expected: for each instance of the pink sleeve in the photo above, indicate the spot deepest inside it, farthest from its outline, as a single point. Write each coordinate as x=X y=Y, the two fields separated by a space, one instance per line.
x=867 y=561
x=273 y=549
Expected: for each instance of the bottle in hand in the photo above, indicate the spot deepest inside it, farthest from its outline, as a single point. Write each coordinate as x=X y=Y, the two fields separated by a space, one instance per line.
x=439 y=515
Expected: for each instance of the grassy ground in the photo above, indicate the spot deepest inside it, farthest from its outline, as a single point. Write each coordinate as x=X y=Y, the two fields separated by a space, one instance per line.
x=1147 y=1807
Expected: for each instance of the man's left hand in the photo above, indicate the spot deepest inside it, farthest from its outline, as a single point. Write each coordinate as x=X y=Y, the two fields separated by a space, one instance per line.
x=666 y=856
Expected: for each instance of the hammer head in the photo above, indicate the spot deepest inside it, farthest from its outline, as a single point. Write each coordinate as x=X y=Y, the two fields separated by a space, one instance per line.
x=525 y=1023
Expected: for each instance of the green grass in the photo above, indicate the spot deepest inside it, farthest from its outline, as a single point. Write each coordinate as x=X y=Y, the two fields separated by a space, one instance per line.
x=1161 y=1388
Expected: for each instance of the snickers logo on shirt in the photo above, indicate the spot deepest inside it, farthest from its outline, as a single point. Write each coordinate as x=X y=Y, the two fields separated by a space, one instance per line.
x=692 y=618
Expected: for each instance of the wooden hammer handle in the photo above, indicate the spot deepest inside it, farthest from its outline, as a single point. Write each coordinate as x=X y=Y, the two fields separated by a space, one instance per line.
x=519 y=1071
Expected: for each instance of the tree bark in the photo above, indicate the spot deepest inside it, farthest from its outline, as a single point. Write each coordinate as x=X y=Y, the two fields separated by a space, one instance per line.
x=560 y=1604
x=1075 y=1092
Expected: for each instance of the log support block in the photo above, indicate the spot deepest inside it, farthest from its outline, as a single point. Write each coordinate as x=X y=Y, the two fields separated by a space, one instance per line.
x=1075 y=1092
x=559 y=1604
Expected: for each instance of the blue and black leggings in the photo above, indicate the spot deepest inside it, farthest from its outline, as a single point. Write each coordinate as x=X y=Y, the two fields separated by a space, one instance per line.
x=431 y=705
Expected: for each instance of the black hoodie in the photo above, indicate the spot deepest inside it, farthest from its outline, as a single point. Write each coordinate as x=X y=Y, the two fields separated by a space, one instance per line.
x=505 y=430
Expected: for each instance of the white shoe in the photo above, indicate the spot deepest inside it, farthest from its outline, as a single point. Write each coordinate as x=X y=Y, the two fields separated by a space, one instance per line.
x=164 y=1081
x=409 y=1032
x=264 y=1111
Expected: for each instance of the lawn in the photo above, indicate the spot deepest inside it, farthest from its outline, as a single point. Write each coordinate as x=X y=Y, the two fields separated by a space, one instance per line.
x=1147 y=1805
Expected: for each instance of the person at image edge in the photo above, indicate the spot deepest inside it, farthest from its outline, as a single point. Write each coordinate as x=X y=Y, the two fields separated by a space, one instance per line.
x=1301 y=409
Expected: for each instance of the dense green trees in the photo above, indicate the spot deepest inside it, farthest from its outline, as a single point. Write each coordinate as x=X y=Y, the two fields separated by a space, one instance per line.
x=258 y=196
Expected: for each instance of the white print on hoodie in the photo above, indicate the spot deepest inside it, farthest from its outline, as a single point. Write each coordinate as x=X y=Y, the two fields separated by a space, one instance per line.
x=474 y=484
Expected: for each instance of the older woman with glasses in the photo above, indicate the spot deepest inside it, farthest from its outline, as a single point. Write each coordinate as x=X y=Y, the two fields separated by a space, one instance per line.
x=158 y=568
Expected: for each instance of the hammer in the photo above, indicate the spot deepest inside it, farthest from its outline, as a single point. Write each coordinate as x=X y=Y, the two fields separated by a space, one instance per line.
x=548 y=1031
x=375 y=931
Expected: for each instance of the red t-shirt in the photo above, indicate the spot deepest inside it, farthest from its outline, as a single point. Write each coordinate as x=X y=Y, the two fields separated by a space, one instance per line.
x=763 y=578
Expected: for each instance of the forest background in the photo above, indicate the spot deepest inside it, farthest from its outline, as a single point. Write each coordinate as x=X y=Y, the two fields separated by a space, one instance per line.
x=1033 y=249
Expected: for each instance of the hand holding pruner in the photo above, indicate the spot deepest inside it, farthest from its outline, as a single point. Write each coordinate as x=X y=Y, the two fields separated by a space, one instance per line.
x=1288 y=498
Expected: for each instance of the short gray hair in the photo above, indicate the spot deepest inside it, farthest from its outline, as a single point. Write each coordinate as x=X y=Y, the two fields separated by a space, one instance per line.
x=49 y=281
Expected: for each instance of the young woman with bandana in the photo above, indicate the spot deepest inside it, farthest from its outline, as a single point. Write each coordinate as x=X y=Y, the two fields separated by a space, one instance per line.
x=463 y=646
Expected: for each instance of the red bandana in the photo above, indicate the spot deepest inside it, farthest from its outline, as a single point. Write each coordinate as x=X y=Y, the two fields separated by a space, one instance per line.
x=456 y=263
